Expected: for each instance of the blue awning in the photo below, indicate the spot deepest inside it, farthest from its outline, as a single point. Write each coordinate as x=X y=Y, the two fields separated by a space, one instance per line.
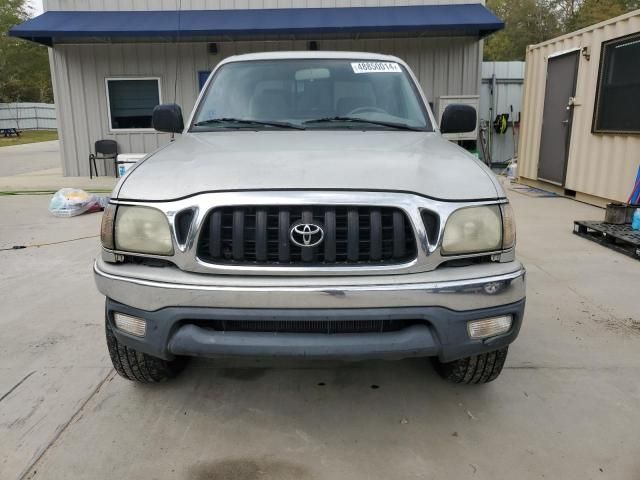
x=468 y=19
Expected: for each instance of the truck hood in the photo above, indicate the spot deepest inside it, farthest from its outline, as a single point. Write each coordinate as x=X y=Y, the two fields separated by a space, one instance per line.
x=422 y=163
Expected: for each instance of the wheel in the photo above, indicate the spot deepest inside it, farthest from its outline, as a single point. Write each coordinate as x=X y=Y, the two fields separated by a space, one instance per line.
x=137 y=366
x=482 y=368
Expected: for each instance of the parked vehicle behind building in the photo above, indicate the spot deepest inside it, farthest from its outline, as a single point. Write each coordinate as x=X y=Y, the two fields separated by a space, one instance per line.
x=311 y=208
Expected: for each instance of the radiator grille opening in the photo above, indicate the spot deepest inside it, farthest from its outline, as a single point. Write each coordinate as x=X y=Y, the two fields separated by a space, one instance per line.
x=261 y=235
x=309 y=326
x=183 y=224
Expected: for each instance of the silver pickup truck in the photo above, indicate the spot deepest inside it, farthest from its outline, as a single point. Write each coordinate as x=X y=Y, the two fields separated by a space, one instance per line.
x=310 y=208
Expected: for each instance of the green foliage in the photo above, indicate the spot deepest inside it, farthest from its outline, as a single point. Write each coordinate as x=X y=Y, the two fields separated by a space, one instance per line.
x=30 y=136
x=24 y=66
x=595 y=11
x=527 y=22
x=533 y=21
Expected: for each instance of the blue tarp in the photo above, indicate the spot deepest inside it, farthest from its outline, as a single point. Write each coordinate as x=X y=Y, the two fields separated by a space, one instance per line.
x=471 y=19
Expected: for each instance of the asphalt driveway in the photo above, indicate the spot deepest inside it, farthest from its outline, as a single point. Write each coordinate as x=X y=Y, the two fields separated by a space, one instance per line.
x=566 y=407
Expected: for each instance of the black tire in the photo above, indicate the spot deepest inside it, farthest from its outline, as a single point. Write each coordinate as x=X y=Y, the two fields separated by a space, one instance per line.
x=483 y=368
x=137 y=366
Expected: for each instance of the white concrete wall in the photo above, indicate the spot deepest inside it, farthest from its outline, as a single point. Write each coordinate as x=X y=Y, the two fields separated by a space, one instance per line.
x=444 y=66
x=231 y=4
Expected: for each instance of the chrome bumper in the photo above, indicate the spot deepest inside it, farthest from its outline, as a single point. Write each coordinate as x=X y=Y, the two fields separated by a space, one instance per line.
x=458 y=289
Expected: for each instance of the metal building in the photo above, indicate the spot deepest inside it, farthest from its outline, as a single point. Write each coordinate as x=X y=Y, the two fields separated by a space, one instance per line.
x=501 y=94
x=112 y=60
x=581 y=121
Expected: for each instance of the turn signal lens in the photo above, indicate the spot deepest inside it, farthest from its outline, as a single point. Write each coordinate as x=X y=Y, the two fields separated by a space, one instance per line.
x=132 y=325
x=508 y=226
x=106 y=230
x=489 y=327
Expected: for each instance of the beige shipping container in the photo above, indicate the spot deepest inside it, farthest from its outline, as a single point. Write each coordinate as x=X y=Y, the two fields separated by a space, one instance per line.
x=580 y=130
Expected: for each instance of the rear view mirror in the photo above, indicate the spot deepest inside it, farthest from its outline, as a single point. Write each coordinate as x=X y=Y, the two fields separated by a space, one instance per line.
x=458 y=118
x=310 y=74
x=168 y=118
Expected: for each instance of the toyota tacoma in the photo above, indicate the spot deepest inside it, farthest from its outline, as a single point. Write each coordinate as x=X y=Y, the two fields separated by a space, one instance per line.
x=310 y=208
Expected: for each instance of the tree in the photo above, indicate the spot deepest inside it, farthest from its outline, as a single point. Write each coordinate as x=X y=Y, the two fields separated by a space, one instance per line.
x=565 y=8
x=527 y=22
x=595 y=11
x=24 y=66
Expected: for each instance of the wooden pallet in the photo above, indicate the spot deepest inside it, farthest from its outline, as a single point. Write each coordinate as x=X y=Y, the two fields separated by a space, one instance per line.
x=616 y=237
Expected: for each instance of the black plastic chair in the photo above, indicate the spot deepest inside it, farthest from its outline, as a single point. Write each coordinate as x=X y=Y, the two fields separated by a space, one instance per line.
x=105 y=150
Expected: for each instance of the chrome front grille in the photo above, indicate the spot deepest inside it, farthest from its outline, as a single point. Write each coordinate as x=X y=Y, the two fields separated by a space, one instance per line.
x=190 y=222
x=351 y=235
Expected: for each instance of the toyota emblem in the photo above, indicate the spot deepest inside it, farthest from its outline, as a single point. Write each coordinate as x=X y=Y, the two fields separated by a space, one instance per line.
x=306 y=234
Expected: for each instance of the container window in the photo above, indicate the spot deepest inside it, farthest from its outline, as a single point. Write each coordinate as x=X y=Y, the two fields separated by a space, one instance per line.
x=618 y=97
x=131 y=102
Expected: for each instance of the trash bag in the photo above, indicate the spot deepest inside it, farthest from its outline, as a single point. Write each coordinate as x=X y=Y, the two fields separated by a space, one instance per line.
x=69 y=202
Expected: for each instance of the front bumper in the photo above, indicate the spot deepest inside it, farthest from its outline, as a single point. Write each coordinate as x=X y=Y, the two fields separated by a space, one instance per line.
x=177 y=305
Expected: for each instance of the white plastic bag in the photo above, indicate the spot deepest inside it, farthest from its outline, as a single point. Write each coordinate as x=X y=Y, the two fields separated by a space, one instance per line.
x=70 y=202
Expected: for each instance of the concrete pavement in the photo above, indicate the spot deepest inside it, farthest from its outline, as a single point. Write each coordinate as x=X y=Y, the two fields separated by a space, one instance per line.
x=36 y=167
x=30 y=157
x=566 y=407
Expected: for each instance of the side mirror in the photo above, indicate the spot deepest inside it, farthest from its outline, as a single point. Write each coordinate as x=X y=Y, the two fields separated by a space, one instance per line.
x=168 y=118
x=458 y=118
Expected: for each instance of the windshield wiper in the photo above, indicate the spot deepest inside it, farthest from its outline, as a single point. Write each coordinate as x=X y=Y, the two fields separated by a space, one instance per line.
x=240 y=121
x=399 y=126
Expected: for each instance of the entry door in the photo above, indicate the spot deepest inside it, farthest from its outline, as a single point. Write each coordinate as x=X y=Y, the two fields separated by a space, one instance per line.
x=562 y=73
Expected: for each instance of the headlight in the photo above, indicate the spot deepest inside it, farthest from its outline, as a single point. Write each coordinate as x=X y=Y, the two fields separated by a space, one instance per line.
x=473 y=230
x=142 y=230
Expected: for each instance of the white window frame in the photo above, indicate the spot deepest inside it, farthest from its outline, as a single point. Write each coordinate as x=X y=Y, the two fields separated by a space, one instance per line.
x=106 y=87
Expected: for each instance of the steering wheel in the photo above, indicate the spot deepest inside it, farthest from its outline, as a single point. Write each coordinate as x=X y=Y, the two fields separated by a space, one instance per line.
x=367 y=109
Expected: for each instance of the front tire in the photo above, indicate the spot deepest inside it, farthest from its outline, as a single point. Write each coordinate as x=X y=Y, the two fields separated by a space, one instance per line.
x=137 y=366
x=483 y=368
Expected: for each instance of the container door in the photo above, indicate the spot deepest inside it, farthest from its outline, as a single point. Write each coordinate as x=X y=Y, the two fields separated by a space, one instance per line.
x=562 y=74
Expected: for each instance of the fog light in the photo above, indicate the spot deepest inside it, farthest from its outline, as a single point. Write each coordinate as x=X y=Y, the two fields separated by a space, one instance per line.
x=489 y=327
x=132 y=325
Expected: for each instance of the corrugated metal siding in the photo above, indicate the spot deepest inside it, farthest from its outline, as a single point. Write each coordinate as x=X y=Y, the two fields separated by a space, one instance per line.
x=28 y=116
x=508 y=92
x=232 y=4
x=600 y=165
x=444 y=66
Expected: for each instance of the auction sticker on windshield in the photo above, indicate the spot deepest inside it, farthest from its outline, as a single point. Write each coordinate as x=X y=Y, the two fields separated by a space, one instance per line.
x=376 y=67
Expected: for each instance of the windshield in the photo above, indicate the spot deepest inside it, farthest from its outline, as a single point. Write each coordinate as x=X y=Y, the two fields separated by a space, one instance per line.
x=311 y=94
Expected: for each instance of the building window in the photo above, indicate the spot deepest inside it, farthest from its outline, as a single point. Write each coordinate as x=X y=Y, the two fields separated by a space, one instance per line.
x=203 y=76
x=131 y=102
x=618 y=97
